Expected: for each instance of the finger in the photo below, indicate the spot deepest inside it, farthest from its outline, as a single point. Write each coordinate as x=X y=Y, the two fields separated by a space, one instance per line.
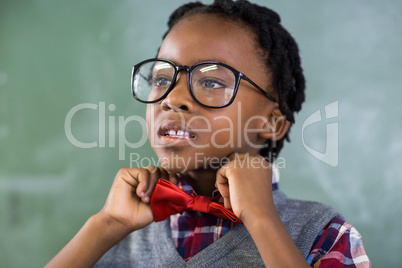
x=226 y=203
x=173 y=178
x=129 y=175
x=163 y=173
x=155 y=175
x=143 y=177
x=237 y=156
x=222 y=183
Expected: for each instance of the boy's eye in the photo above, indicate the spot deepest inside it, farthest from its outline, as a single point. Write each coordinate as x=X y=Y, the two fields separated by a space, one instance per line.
x=160 y=81
x=210 y=84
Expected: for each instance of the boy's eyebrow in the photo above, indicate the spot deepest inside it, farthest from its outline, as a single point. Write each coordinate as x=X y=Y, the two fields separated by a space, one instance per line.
x=212 y=59
x=196 y=61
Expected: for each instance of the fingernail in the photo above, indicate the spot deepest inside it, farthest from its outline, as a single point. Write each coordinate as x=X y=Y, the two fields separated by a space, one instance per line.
x=146 y=199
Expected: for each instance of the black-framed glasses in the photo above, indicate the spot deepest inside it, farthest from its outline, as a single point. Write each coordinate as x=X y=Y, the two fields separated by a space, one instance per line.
x=211 y=84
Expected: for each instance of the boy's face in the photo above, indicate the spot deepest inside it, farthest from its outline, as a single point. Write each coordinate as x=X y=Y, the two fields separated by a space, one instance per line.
x=204 y=136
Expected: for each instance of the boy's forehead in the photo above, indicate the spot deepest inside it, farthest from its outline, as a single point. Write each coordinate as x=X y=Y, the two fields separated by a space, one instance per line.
x=208 y=37
x=202 y=38
x=214 y=23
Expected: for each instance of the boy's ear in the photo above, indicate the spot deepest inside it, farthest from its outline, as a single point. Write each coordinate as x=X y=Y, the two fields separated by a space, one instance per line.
x=276 y=126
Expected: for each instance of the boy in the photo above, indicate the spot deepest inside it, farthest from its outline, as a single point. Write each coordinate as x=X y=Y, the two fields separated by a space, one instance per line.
x=236 y=104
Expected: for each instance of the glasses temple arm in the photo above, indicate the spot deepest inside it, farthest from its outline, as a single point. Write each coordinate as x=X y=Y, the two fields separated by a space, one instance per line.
x=257 y=87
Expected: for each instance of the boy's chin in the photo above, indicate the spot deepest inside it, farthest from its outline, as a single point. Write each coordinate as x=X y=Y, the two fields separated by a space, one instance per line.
x=185 y=169
x=177 y=169
x=174 y=167
x=183 y=164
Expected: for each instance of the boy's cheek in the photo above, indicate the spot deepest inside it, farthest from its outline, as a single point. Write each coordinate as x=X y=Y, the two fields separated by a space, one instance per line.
x=221 y=138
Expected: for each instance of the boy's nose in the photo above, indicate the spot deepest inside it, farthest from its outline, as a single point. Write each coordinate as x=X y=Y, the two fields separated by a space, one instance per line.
x=179 y=98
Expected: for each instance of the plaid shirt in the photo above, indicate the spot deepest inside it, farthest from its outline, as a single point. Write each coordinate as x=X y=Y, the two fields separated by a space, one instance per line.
x=338 y=244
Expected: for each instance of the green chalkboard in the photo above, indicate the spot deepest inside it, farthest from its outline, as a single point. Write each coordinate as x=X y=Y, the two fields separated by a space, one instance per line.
x=65 y=105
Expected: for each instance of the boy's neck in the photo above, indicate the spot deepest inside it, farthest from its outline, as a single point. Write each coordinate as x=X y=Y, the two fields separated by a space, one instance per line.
x=202 y=181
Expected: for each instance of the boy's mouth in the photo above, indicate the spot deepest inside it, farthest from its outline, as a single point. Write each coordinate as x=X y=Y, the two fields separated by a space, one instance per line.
x=178 y=134
x=175 y=130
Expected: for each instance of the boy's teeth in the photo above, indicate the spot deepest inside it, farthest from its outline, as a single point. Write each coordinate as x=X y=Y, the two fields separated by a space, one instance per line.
x=178 y=133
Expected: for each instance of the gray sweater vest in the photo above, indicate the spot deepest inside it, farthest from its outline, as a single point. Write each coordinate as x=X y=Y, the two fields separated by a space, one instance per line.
x=152 y=246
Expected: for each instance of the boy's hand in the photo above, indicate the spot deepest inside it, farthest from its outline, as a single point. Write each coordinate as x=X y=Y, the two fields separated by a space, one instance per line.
x=126 y=210
x=128 y=200
x=246 y=186
x=245 y=183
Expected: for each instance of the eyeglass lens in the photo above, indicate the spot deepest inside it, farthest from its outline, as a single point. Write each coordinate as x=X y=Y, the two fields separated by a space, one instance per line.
x=211 y=84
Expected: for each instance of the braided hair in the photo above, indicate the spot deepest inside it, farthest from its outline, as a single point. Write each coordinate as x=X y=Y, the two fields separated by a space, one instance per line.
x=281 y=54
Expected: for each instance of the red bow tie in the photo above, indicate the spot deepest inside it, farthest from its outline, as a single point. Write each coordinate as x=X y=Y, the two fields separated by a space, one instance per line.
x=168 y=199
